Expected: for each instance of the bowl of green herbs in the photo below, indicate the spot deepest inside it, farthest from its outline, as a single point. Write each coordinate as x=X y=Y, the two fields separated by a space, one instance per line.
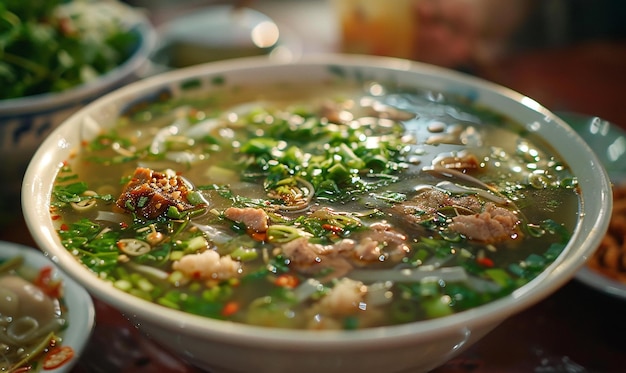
x=55 y=57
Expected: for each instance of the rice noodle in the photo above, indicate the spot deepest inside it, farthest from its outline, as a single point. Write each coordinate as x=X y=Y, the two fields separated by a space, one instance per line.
x=213 y=234
x=180 y=124
x=379 y=293
x=452 y=274
x=25 y=330
x=459 y=189
x=307 y=192
x=306 y=289
x=482 y=285
x=201 y=129
x=147 y=270
x=114 y=217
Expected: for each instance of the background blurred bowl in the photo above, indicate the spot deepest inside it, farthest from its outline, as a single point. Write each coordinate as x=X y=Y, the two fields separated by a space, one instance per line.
x=80 y=307
x=415 y=347
x=26 y=121
x=608 y=141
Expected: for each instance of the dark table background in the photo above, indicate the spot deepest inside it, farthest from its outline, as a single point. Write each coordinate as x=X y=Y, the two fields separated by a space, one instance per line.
x=577 y=329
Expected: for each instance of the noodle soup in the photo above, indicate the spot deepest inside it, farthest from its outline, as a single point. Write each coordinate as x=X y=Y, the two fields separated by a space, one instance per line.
x=339 y=206
x=33 y=318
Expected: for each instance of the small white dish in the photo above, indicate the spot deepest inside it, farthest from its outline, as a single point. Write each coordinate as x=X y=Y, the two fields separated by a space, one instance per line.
x=81 y=311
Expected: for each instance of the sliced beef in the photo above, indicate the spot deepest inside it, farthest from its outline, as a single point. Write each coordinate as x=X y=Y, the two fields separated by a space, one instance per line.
x=255 y=219
x=430 y=201
x=485 y=222
x=379 y=243
x=314 y=258
x=493 y=224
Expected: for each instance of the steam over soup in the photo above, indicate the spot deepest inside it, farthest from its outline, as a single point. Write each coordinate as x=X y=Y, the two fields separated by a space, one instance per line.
x=337 y=206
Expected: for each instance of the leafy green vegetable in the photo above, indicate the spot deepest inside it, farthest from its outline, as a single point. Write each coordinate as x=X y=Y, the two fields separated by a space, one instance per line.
x=74 y=193
x=54 y=45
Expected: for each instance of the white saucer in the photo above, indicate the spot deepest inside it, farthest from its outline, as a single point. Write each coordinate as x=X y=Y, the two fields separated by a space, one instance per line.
x=608 y=141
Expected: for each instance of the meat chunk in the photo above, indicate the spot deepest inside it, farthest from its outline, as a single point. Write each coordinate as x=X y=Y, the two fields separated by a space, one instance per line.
x=430 y=201
x=377 y=244
x=348 y=298
x=345 y=298
x=487 y=223
x=150 y=193
x=368 y=250
x=313 y=258
x=208 y=265
x=255 y=219
x=381 y=235
x=493 y=224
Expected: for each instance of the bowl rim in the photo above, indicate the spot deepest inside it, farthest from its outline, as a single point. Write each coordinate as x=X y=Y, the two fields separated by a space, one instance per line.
x=54 y=101
x=602 y=136
x=78 y=300
x=228 y=332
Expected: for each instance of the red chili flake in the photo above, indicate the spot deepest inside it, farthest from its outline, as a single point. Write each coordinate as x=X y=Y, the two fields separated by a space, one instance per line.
x=332 y=228
x=57 y=357
x=485 y=262
x=287 y=281
x=47 y=284
x=230 y=308
x=257 y=236
x=123 y=225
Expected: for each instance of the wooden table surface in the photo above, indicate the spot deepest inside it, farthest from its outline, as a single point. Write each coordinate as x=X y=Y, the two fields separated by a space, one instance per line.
x=577 y=329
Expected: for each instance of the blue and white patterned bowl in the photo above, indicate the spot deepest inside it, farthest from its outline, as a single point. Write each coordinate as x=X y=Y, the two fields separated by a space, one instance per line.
x=25 y=122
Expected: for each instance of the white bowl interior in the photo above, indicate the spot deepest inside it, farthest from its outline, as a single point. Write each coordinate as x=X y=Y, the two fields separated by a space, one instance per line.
x=593 y=181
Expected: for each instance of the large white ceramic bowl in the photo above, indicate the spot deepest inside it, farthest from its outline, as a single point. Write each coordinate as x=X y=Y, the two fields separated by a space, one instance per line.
x=227 y=347
x=80 y=308
x=26 y=121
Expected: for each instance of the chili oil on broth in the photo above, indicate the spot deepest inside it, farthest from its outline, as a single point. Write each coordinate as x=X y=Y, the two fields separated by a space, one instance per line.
x=418 y=268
